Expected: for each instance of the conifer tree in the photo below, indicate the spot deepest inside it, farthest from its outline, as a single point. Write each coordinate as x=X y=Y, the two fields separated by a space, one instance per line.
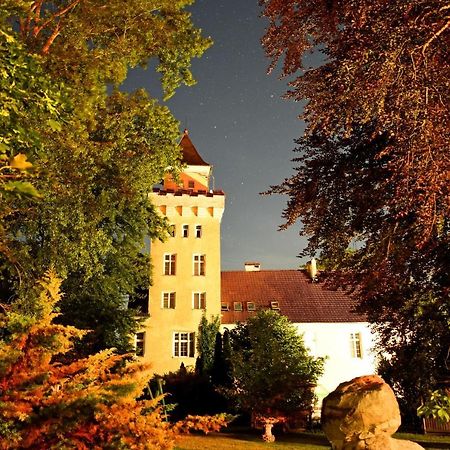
x=88 y=403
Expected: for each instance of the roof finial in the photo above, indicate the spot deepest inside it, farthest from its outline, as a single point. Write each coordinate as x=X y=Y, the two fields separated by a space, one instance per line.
x=186 y=131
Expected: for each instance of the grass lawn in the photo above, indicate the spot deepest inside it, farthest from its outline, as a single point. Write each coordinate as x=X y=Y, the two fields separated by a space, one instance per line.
x=245 y=440
x=252 y=441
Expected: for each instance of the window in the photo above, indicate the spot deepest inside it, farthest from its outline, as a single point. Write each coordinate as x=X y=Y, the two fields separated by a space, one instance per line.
x=191 y=184
x=237 y=306
x=251 y=306
x=198 y=231
x=171 y=230
x=274 y=305
x=168 y=300
x=199 y=265
x=139 y=343
x=355 y=345
x=199 y=300
x=183 y=344
x=170 y=264
x=224 y=306
x=185 y=232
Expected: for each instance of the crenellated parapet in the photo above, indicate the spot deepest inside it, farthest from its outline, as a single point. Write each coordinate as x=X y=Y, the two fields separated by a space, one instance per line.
x=187 y=203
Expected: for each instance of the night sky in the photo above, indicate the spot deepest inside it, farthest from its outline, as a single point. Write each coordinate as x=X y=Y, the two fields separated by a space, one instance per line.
x=240 y=124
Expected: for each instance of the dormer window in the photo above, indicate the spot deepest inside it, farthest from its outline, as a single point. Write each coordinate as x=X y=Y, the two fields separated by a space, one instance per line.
x=237 y=306
x=274 y=305
x=224 y=306
x=251 y=306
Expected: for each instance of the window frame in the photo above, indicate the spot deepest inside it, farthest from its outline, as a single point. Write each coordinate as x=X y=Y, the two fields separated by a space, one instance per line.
x=238 y=306
x=170 y=264
x=200 y=301
x=224 y=306
x=139 y=344
x=185 y=230
x=168 y=300
x=199 y=262
x=251 y=308
x=183 y=344
x=198 y=231
x=356 y=349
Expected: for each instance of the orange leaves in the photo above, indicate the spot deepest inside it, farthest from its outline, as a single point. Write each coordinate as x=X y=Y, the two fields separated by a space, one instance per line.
x=88 y=403
x=206 y=424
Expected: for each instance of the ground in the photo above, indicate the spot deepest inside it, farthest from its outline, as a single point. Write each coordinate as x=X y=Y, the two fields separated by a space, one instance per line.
x=244 y=440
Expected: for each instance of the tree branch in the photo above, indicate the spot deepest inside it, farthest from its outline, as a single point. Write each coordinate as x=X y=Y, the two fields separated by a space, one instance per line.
x=51 y=38
x=435 y=36
x=54 y=16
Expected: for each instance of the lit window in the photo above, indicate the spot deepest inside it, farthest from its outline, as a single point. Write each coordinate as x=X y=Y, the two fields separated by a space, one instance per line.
x=168 y=300
x=185 y=231
x=199 y=300
x=355 y=345
x=170 y=264
x=198 y=231
x=199 y=265
x=183 y=344
x=237 y=306
x=139 y=343
x=225 y=306
x=251 y=306
x=171 y=230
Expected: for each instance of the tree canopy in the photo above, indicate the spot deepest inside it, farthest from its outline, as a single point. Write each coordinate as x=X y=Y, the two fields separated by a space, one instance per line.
x=373 y=166
x=272 y=370
x=100 y=150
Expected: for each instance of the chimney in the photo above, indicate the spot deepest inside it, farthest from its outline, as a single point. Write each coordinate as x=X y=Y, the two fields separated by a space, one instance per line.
x=252 y=266
x=312 y=268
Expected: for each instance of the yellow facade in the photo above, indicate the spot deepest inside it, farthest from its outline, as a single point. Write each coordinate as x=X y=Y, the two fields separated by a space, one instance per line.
x=185 y=272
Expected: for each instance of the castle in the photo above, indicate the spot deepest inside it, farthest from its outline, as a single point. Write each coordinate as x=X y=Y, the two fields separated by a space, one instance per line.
x=187 y=282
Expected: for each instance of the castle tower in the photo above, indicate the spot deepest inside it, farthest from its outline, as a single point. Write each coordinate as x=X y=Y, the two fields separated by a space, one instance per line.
x=186 y=267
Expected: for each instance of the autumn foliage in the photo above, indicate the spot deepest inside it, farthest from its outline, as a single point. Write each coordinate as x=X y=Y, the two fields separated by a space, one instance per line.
x=371 y=183
x=85 y=404
x=88 y=403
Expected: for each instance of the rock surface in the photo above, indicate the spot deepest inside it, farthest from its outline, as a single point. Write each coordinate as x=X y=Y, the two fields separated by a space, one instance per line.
x=362 y=414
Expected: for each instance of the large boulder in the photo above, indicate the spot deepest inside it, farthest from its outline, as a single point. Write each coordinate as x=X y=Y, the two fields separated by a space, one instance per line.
x=363 y=414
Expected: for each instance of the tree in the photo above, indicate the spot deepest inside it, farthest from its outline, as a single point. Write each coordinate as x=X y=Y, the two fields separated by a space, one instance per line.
x=221 y=370
x=100 y=159
x=372 y=170
x=28 y=100
x=86 y=403
x=272 y=370
x=207 y=331
x=89 y=403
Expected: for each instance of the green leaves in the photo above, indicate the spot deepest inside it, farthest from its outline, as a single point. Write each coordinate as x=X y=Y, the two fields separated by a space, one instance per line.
x=271 y=366
x=96 y=152
x=54 y=125
x=21 y=188
x=437 y=406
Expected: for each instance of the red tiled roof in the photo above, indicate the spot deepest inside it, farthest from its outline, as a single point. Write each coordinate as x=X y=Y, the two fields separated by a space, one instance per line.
x=190 y=154
x=298 y=298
